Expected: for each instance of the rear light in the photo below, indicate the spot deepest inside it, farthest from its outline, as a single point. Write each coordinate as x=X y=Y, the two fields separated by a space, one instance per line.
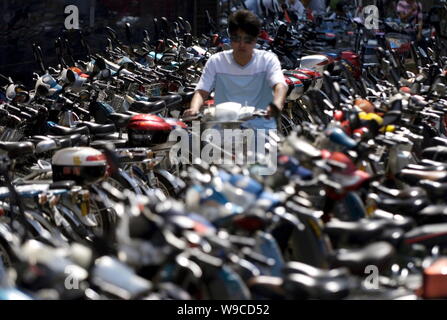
x=215 y=39
x=339 y=116
x=301 y=76
x=79 y=72
x=99 y=157
x=330 y=35
x=181 y=124
x=2 y=211
x=313 y=73
x=325 y=154
x=200 y=228
x=264 y=35
x=361 y=131
x=283 y=159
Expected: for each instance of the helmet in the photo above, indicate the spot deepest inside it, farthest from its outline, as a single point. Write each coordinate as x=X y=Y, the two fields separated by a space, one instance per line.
x=84 y=165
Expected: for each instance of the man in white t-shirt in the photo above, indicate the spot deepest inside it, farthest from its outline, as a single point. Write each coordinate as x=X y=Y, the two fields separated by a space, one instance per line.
x=318 y=7
x=262 y=8
x=296 y=7
x=244 y=75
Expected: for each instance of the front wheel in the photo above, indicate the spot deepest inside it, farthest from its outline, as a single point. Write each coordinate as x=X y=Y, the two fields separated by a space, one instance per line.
x=104 y=214
x=169 y=188
x=286 y=125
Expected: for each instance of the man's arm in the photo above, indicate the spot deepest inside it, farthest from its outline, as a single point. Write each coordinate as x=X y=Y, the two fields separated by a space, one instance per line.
x=196 y=102
x=279 y=95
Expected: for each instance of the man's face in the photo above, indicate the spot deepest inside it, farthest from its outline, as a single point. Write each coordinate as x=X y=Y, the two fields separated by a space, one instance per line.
x=242 y=43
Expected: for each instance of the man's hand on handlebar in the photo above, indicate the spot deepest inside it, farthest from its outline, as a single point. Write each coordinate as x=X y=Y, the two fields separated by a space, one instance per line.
x=190 y=112
x=273 y=110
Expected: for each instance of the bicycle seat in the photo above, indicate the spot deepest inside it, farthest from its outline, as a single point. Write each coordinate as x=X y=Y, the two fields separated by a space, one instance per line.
x=100 y=144
x=65 y=184
x=301 y=286
x=171 y=100
x=414 y=176
x=119 y=119
x=428 y=235
x=434 y=189
x=311 y=271
x=411 y=192
x=433 y=214
x=118 y=279
x=403 y=206
x=70 y=141
x=107 y=136
x=419 y=167
x=355 y=231
x=379 y=254
x=96 y=128
x=267 y=287
x=394 y=220
x=148 y=106
x=65 y=131
x=17 y=149
x=405 y=202
x=186 y=96
x=13 y=121
x=437 y=153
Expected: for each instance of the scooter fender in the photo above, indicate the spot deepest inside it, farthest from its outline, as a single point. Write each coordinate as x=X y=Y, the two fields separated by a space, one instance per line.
x=176 y=183
x=317 y=62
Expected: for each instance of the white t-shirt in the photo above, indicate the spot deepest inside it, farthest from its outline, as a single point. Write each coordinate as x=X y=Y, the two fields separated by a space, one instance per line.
x=297 y=7
x=318 y=7
x=259 y=7
x=248 y=85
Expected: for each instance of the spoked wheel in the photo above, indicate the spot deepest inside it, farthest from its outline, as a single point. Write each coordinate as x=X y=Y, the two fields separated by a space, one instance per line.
x=101 y=229
x=300 y=114
x=168 y=189
x=286 y=125
x=105 y=216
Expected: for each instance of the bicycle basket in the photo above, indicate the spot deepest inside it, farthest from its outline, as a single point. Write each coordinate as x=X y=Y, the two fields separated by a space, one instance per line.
x=153 y=89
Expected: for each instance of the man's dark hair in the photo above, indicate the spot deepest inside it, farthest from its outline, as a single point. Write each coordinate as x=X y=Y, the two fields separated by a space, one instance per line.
x=245 y=21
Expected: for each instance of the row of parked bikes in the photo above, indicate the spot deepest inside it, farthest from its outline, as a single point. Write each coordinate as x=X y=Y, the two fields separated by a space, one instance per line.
x=92 y=206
